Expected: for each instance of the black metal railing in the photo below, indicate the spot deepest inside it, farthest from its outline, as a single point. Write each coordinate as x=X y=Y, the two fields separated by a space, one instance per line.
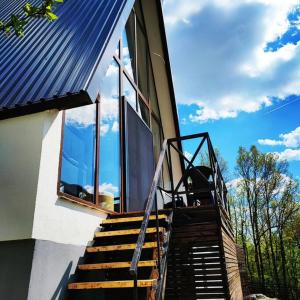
x=177 y=191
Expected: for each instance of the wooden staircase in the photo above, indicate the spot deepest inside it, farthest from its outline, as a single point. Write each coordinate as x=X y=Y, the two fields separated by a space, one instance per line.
x=103 y=272
x=196 y=265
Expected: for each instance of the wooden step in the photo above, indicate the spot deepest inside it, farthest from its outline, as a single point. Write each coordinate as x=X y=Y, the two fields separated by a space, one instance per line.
x=111 y=284
x=132 y=219
x=116 y=265
x=125 y=232
x=121 y=247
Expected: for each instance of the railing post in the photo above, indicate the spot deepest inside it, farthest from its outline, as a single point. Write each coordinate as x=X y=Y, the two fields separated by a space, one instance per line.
x=171 y=175
x=158 y=240
x=136 y=293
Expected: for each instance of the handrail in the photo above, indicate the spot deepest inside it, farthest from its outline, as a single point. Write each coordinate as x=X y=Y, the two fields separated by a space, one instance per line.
x=149 y=206
x=219 y=196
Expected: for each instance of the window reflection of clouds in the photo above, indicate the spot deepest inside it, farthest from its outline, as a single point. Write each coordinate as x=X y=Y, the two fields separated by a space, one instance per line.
x=127 y=61
x=109 y=100
x=128 y=47
x=79 y=152
x=129 y=92
x=109 y=177
x=105 y=187
x=82 y=116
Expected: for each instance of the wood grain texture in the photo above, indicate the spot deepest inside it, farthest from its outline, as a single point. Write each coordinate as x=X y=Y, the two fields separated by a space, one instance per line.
x=111 y=284
x=125 y=232
x=116 y=265
x=132 y=219
x=121 y=247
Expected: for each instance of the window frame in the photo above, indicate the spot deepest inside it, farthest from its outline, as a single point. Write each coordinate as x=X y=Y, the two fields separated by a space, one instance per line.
x=118 y=58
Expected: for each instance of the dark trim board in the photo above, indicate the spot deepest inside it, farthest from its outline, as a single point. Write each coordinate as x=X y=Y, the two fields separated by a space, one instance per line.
x=68 y=101
x=36 y=269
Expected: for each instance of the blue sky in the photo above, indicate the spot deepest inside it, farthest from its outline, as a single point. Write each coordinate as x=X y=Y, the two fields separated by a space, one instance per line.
x=236 y=71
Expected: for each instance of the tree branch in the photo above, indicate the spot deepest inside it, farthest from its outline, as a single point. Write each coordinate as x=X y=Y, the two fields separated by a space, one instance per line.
x=18 y=22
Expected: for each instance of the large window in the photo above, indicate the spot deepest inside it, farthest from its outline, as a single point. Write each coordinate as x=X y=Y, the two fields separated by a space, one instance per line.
x=91 y=169
x=109 y=150
x=78 y=153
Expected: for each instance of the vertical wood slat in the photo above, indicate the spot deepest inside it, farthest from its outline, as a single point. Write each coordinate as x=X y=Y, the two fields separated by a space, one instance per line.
x=232 y=266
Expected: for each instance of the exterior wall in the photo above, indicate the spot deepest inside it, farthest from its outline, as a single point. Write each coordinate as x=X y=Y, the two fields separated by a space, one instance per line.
x=29 y=206
x=52 y=266
x=16 y=261
x=20 y=152
x=56 y=219
x=50 y=234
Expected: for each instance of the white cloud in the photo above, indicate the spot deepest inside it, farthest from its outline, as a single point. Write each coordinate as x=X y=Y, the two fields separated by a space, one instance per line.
x=289 y=154
x=109 y=108
x=115 y=126
x=81 y=116
x=188 y=155
x=108 y=187
x=269 y=142
x=104 y=129
x=104 y=187
x=218 y=56
x=291 y=139
x=233 y=184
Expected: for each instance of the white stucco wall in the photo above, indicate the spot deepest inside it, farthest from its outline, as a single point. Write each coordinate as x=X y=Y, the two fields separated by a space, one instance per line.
x=56 y=219
x=29 y=205
x=20 y=150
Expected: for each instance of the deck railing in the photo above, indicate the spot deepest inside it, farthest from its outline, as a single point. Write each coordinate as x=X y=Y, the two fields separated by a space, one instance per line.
x=178 y=192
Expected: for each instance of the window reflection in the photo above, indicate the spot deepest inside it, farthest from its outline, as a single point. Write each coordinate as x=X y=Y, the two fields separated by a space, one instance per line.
x=142 y=54
x=78 y=154
x=110 y=176
x=144 y=112
x=129 y=92
x=128 y=51
x=156 y=138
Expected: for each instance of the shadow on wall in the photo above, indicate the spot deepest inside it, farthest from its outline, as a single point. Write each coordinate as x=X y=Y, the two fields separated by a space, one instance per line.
x=61 y=290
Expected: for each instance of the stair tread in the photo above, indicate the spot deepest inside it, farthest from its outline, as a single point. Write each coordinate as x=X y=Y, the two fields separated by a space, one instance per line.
x=125 y=232
x=119 y=247
x=116 y=265
x=132 y=219
x=111 y=284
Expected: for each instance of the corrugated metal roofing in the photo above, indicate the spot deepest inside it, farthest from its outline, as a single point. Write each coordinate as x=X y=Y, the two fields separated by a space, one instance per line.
x=57 y=59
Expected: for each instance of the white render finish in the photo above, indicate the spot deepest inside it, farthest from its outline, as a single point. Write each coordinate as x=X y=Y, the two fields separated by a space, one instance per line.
x=29 y=205
x=20 y=151
x=56 y=219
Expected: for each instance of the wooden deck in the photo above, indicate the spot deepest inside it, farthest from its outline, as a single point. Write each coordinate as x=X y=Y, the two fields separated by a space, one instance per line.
x=202 y=261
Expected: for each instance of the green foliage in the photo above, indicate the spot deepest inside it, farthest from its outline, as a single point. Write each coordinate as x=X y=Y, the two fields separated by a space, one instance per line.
x=265 y=210
x=17 y=22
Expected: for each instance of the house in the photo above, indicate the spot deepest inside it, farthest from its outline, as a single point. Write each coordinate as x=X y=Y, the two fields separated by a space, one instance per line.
x=86 y=103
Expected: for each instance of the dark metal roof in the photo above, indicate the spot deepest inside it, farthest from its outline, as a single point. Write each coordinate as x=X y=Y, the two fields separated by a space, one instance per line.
x=56 y=60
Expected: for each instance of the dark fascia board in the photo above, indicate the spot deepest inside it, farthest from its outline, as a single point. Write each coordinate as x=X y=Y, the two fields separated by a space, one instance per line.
x=169 y=75
x=90 y=89
x=70 y=100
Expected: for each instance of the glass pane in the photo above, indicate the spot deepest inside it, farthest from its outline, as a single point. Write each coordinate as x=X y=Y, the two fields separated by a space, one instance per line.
x=142 y=59
x=110 y=170
x=129 y=92
x=144 y=112
x=156 y=138
x=78 y=155
x=117 y=52
x=128 y=47
x=152 y=91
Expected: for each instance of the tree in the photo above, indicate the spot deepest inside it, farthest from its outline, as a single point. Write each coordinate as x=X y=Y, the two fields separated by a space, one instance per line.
x=265 y=210
x=18 y=22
